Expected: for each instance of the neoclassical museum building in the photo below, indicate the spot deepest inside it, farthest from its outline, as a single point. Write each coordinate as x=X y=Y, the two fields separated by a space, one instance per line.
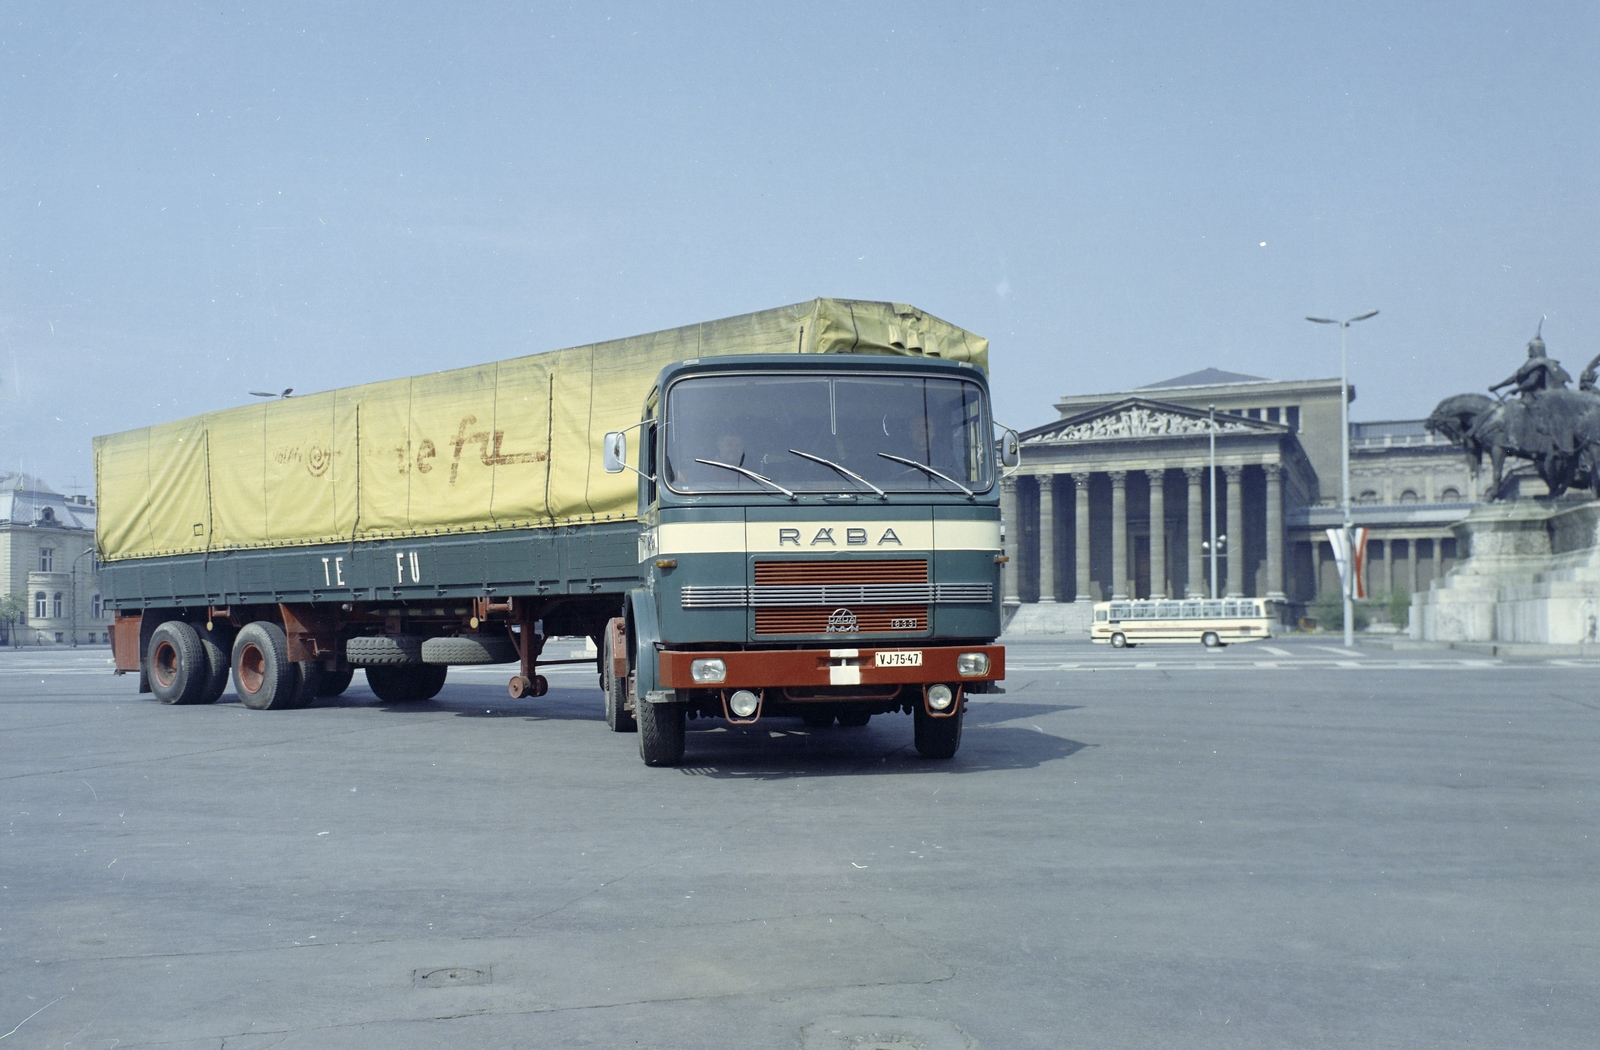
x=1115 y=498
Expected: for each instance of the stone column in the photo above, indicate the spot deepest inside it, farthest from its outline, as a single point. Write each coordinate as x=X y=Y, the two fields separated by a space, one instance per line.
x=1047 y=539
x=1119 y=534
x=1275 y=531
x=1080 y=561
x=1009 y=592
x=1388 y=566
x=1411 y=556
x=1197 y=532
x=1235 y=533
x=1158 y=532
x=1438 y=558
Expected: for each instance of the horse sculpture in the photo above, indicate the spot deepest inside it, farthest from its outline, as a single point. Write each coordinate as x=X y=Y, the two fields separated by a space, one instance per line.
x=1558 y=431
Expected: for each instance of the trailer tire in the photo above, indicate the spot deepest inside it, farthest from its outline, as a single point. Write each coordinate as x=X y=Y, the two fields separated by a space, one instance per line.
x=936 y=738
x=218 y=646
x=178 y=672
x=661 y=733
x=336 y=683
x=262 y=674
x=618 y=718
x=383 y=650
x=469 y=649
x=406 y=685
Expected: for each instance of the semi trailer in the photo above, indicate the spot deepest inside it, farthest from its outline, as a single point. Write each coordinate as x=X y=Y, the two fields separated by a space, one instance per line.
x=791 y=513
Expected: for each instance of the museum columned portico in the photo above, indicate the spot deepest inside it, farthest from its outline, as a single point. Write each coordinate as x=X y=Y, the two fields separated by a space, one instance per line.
x=1117 y=502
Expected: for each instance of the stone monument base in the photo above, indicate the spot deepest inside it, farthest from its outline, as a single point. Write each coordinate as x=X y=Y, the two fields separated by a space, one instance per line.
x=1069 y=618
x=1532 y=575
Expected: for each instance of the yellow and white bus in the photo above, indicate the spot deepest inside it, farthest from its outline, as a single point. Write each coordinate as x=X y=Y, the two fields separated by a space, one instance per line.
x=1212 y=623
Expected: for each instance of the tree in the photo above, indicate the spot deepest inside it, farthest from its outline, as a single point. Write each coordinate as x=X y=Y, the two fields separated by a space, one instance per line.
x=13 y=611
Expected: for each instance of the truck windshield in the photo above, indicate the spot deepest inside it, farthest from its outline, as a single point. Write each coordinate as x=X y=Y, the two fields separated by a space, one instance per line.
x=763 y=424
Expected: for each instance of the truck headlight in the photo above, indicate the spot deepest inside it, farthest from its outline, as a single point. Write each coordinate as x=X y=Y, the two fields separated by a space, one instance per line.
x=971 y=665
x=743 y=703
x=940 y=697
x=708 y=670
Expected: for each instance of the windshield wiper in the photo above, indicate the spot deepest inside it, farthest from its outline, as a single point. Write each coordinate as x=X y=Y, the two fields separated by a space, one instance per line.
x=747 y=473
x=846 y=471
x=930 y=472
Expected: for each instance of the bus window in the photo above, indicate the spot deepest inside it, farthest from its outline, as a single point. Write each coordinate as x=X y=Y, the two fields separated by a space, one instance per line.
x=1100 y=615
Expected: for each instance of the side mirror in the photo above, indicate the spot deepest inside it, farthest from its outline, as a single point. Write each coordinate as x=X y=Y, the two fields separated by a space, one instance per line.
x=614 y=450
x=1010 y=448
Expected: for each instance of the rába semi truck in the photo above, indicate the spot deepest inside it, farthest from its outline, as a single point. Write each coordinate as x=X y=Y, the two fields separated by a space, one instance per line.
x=791 y=513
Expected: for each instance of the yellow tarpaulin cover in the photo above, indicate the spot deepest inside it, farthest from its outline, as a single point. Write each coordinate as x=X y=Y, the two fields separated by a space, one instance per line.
x=512 y=444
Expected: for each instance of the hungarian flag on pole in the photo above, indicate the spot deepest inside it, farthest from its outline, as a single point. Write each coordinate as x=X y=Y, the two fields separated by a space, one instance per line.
x=1346 y=552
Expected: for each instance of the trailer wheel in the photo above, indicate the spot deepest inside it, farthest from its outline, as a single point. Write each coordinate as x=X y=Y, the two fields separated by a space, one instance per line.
x=618 y=718
x=936 y=737
x=218 y=646
x=661 y=729
x=262 y=674
x=469 y=649
x=383 y=650
x=178 y=672
x=406 y=685
x=336 y=683
x=854 y=719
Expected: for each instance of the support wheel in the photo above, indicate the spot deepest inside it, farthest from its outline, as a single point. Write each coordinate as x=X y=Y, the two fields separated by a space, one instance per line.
x=1119 y=641
x=1210 y=640
x=336 y=682
x=178 y=671
x=406 y=685
x=937 y=737
x=262 y=674
x=618 y=717
x=218 y=645
x=661 y=730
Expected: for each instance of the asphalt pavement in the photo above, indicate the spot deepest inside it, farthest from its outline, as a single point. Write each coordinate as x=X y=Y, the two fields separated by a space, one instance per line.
x=1284 y=844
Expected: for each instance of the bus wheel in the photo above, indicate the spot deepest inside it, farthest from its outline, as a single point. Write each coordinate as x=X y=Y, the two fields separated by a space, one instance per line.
x=1210 y=640
x=1119 y=641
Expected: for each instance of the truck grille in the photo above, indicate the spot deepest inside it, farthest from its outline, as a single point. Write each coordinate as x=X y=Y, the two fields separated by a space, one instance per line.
x=841 y=597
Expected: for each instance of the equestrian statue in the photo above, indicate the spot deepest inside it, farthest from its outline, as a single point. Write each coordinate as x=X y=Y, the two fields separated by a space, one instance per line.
x=1555 y=429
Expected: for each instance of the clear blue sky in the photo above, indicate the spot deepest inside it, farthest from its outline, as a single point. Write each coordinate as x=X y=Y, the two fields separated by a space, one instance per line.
x=201 y=200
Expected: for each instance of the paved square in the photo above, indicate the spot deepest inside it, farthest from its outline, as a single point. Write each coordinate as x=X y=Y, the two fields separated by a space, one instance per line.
x=1283 y=844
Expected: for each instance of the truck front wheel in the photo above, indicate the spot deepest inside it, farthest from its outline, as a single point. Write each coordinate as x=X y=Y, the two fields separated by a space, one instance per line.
x=661 y=729
x=936 y=737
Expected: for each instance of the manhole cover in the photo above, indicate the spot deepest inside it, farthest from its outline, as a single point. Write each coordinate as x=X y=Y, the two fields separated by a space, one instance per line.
x=451 y=976
x=883 y=1033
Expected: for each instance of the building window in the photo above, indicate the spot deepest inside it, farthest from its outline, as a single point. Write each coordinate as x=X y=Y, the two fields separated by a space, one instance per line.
x=1367 y=496
x=1291 y=416
x=1450 y=495
x=47 y=516
x=94 y=604
x=1253 y=413
x=57 y=604
x=47 y=559
x=1409 y=496
x=59 y=638
x=40 y=611
x=1273 y=415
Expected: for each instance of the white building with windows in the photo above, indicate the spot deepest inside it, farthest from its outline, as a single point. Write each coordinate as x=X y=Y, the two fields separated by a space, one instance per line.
x=47 y=558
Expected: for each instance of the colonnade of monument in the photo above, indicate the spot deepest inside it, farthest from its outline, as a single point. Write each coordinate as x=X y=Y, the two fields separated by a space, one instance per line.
x=1121 y=583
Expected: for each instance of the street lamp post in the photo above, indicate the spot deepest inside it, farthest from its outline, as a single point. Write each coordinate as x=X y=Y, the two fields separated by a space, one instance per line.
x=1348 y=584
x=1215 y=542
x=75 y=562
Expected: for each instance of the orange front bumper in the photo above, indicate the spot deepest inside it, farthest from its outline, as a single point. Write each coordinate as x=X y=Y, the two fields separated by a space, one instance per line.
x=792 y=668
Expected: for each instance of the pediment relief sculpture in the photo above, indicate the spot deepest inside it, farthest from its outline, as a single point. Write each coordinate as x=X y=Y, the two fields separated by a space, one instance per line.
x=1144 y=422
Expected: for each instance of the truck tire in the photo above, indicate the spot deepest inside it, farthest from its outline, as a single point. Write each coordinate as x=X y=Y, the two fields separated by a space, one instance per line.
x=817 y=718
x=262 y=674
x=383 y=650
x=854 y=719
x=406 y=685
x=178 y=672
x=336 y=683
x=218 y=646
x=936 y=737
x=618 y=718
x=469 y=649
x=661 y=729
